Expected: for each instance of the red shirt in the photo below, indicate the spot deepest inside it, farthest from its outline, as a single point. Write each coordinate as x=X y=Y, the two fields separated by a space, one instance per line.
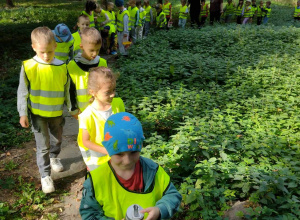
x=135 y=182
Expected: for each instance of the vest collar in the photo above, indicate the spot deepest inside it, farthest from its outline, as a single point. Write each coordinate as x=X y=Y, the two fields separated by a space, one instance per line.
x=55 y=61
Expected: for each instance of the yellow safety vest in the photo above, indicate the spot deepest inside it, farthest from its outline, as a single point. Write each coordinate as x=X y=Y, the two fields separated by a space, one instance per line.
x=259 y=12
x=253 y=10
x=142 y=16
x=247 y=14
x=268 y=13
x=77 y=42
x=91 y=17
x=101 y=18
x=46 y=87
x=147 y=10
x=182 y=12
x=120 y=23
x=62 y=50
x=161 y=20
x=80 y=79
x=204 y=11
x=239 y=10
x=132 y=18
x=166 y=9
x=230 y=9
x=112 y=21
x=115 y=200
x=297 y=11
x=95 y=128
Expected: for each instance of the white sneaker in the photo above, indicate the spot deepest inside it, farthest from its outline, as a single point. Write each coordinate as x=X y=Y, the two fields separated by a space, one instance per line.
x=47 y=184
x=56 y=165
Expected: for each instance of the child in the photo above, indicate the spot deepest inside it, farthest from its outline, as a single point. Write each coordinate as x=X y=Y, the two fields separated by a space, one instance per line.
x=149 y=17
x=259 y=14
x=161 y=20
x=229 y=11
x=247 y=12
x=133 y=19
x=239 y=12
x=167 y=9
x=101 y=85
x=112 y=29
x=43 y=102
x=127 y=178
x=122 y=26
x=78 y=68
x=90 y=7
x=297 y=11
x=102 y=18
x=267 y=12
x=142 y=17
x=83 y=22
x=183 y=13
x=204 y=12
x=254 y=9
x=64 y=41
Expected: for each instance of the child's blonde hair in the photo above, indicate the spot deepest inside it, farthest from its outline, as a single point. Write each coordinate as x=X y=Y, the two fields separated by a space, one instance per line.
x=91 y=35
x=110 y=3
x=85 y=17
x=146 y=2
x=42 y=35
x=99 y=76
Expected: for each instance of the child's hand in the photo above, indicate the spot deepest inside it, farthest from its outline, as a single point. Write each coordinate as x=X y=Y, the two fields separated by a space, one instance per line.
x=24 y=121
x=153 y=213
x=124 y=35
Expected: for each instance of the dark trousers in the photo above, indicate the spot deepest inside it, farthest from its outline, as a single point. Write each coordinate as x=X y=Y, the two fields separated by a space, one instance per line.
x=239 y=19
x=259 y=20
x=215 y=15
x=195 y=13
x=202 y=22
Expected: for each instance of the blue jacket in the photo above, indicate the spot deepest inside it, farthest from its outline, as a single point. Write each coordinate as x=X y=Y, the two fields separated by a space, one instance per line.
x=90 y=209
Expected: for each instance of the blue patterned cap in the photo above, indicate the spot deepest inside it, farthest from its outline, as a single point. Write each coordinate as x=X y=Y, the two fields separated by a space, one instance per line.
x=62 y=33
x=122 y=132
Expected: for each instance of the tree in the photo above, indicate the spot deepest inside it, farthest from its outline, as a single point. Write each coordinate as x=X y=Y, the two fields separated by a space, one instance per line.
x=9 y=3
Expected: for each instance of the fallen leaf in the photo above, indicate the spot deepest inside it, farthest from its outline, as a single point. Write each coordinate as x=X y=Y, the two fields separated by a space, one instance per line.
x=34 y=149
x=78 y=200
x=7 y=154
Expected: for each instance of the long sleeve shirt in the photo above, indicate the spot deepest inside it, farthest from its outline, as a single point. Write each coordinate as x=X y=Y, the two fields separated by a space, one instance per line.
x=125 y=22
x=23 y=92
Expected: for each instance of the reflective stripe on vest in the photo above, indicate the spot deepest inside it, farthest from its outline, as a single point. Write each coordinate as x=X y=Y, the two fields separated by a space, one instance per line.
x=115 y=200
x=77 y=42
x=239 y=10
x=230 y=9
x=204 y=11
x=148 y=16
x=259 y=12
x=166 y=8
x=142 y=16
x=120 y=22
x=253 y=10
x=95 y=127
x=132 y=16
x=112 y=21
x=46 y=88
x=101 y=18
x=91 y=17
x=297 y=11
x=62 y=50
x=182 y=12
x=80 y=78
x=161 y=20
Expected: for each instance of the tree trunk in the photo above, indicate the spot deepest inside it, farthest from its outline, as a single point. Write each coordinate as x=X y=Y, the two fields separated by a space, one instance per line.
x=9 y=3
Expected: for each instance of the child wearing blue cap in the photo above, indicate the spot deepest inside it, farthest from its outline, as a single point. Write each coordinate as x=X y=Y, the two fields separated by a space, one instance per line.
x=64 y=41
x=127 y=178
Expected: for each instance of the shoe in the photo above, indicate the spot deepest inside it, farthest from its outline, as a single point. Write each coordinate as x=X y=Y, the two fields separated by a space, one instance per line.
x=56 y=165
x=47 y=184
x=113 y=52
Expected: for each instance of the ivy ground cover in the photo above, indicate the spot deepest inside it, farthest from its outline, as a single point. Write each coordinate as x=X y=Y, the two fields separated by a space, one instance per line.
x=220 y=111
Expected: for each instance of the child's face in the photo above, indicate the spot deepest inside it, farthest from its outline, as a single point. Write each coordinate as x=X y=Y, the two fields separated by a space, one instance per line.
x=253 y=2
x=268 y=4
x=131 y=3
x=125 y=161
x=89 y=50
x=83 y=23
x=45 y=51
x=261 y=3
x=105 y=94
x=241 y=2
x=183 y=3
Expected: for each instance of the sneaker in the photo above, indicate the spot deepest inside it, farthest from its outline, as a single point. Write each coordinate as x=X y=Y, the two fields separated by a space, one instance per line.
x=47 y=184
x=56 y=165
x=113 y=52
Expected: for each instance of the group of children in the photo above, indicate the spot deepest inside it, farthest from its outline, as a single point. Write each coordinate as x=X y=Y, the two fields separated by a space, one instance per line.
x=67 y=71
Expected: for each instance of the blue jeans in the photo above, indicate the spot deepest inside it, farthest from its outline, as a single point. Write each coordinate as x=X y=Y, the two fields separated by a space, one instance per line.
x=265 y=20
x=147 y=28
x=181 y=22
x=48 y=138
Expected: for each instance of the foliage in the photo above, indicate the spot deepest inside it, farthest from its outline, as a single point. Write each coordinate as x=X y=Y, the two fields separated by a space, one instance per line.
x=220 y=112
